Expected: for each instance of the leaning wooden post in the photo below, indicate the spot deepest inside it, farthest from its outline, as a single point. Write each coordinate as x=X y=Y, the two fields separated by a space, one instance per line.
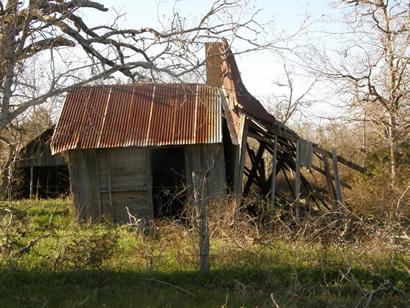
x=274 y=165
x=338 y=193
x=329 y=178
x=297 y=179
x=240 y=164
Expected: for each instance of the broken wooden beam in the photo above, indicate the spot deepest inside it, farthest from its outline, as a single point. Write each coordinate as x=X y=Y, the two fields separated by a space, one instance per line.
x=274 y=164
x=329 y=181
x=321 y=171
x=338 y=193
x=339 y=159
x=256 y=159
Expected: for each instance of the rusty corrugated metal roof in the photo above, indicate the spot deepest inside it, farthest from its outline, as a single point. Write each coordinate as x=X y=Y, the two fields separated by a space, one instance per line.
x=139 y=115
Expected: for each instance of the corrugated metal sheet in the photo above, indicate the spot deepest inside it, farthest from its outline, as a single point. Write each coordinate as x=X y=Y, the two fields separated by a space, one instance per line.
x=250 y=104
x=139 y=115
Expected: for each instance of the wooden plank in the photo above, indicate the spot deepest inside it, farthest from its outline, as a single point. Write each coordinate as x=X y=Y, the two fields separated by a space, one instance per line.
x=254 y=170
x=297 y=171
x=260 y=138
x=100 y=212
x=216 y=172
x=74 y=181
x=136 y=202
x=338 y=193
x=274 y=165
x=275 y=129
x=340 y=159
x=321 y=171
x=109 y=185
x=229 y=121
x=287 y=181
x=126 y=182
x=256 y=179
x=328 y=178
x=240 y=163
x=242 y=159
x=90 y=177
x=289 y=135
x=297 y=180
x=83 y=180
x=262 y=169
x=126 y=171
x=125 y=188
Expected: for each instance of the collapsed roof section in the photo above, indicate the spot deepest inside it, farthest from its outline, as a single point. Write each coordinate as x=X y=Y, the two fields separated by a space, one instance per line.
x=248 y=119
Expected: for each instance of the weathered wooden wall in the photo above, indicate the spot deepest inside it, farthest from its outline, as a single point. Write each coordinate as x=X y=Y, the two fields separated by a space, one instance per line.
x=105 y=182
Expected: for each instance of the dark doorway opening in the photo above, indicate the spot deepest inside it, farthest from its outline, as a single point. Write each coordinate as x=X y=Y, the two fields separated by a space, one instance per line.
x=168 y=181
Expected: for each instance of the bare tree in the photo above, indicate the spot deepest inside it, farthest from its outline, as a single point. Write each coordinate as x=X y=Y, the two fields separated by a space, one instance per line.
x=47 y=48
x=290 y=99
x=371 y=70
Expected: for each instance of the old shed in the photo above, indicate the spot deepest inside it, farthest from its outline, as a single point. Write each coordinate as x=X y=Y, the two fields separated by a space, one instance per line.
x=41 y=174
x=144 y=149
x=131 y=147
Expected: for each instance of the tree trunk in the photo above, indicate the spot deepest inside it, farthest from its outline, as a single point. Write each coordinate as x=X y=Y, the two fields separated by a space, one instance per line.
x=204 y=263
x=199 y=178
x=7 y=65
x=393 y=145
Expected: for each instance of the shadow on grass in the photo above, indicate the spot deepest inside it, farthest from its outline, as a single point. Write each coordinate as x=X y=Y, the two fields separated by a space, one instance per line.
x=234 y=286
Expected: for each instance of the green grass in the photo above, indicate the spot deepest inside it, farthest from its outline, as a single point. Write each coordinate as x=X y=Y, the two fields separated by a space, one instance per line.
x=117 y=266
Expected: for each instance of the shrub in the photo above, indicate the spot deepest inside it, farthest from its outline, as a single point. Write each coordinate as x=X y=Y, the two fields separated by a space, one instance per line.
x=89 y=250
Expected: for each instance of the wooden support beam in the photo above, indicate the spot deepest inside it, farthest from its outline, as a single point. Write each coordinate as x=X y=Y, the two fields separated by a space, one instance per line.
x=255 y=166
x=297 y=180
x=329 y=178
x=256 y=180
x=287 y=180
x=297 y=172
x=274 y=165
x=262 y=170
x=321 y=171
x=338 y=192
x=259 y=138
x=275 y=129
x=291 y=136
x=340 y=159
x=240 y=163
x=229 y=121
x=251 y=153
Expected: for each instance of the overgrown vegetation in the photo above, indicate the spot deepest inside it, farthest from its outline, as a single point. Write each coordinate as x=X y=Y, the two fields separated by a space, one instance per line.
x=49 y=260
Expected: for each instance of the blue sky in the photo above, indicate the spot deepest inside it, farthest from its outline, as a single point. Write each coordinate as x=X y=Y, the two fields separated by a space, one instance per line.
x=259 y=69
